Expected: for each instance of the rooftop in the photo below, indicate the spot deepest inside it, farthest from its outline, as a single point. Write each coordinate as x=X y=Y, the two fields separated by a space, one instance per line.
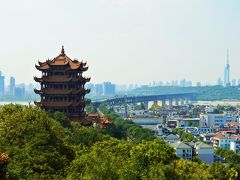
x=202 y=145
x=180 y=145
x=61 y=60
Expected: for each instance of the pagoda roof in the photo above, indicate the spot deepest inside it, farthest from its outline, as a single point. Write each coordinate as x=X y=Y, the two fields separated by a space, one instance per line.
x=60 y=79
x=59 y=104
x=61 y=60
x=62 y=92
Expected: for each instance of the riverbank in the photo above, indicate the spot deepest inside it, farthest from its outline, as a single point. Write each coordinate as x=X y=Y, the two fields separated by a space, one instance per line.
x=222 y=103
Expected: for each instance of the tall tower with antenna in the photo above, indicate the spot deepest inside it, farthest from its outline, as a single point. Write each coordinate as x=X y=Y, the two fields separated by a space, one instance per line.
x=227 y=72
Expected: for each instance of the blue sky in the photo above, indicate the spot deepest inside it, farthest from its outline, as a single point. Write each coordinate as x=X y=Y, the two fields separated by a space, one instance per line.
x=124 y=41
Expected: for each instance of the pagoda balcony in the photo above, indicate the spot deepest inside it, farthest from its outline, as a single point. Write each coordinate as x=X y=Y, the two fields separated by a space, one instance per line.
x=61 y=104
x=55 y=91
x=61 y=79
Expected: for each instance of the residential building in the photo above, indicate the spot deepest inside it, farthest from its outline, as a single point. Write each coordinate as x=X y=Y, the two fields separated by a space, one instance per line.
x=235 y=146
x=208 y=138
x=121 y=110
x=19 y=92
x=171 y=138
x=98 y=89
x=210 y=119
x=12 y=86
x=109 y=89
x=222 y=141
x=183 y=150
x=2 y=84
x=188 y=122
x=204 y=152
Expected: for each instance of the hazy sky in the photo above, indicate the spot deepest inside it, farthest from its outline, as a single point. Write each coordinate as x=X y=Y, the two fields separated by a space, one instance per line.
x=123 y=41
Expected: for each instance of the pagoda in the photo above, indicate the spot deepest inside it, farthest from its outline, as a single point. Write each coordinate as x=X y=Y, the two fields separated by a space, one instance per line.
x=62 y=86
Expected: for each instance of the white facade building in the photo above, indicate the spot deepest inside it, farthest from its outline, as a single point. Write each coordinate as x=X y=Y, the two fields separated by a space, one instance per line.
x=235 y=146
x=183 y=150
x=222 y=142
x=216 y=119
x=205 y=152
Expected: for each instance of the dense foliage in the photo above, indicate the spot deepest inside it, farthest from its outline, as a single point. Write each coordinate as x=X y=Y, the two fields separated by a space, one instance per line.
x=230 y=157
x=204 y=93
x=186 y=137
x=39 y=145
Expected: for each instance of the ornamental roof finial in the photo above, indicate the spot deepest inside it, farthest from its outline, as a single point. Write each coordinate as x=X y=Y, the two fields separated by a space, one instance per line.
x=62 y=51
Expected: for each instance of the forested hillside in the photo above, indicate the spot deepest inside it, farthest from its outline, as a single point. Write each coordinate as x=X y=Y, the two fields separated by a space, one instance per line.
x=39 y=145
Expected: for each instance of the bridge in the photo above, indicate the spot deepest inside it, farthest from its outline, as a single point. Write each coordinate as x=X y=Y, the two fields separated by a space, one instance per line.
x=182 y=98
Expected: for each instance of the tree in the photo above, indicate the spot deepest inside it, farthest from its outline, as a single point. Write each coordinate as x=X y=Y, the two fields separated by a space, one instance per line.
x=36 y=143
x=222 y=172
x=104 y=160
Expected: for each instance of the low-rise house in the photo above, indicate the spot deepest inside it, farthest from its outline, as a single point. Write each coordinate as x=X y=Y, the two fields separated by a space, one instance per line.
x=228 y=132
x=188 y=122
x=208 y=138
x=171 y=138
x=121 y=110
x=205 y=130
x=172 y=123
x=160 y=130
x=204 y=152
x=183 y=150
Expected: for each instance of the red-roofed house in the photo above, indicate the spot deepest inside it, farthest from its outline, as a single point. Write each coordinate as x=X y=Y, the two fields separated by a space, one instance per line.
x=222 y=141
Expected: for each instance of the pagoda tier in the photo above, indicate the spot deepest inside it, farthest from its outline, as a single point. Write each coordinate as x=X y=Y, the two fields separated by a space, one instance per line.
x=53 y=79
x=62 y=92
x=62 y=86
x=71 y=67
x=60 y=104
x=62 y=60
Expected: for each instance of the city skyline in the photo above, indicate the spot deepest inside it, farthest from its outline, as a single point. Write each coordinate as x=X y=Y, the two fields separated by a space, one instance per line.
x=144 y=40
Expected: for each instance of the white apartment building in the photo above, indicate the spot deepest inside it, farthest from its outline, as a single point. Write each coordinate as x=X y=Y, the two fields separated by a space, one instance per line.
x=216 y=119
x=235 y=146
x=204 y=152
x=222 y=141
x=183 y=150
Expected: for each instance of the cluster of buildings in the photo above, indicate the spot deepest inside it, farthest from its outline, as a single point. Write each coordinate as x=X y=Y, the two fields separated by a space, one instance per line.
x=13 y=89
x=102 y=89
x=219 y=130
x=186 y=150
x=213 y=126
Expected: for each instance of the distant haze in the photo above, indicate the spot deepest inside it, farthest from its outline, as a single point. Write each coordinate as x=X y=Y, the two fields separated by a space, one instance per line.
x=123 y=41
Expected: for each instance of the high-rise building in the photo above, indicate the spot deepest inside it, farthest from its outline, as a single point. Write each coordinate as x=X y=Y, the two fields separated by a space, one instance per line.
x=198 y=84
x=227 y=72
x=219 y=82
x=2 y=84
x=233 y=82
x=12 y=85
x=19 y=91
x=98 y=89
x=109 y=89
x=183 y=83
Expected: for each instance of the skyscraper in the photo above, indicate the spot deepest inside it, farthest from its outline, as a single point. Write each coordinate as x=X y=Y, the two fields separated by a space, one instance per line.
x=219 y=82
x=98 y=89
x=12 y=85
x=227 y=72
x=2 y=84
x=109 y=89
